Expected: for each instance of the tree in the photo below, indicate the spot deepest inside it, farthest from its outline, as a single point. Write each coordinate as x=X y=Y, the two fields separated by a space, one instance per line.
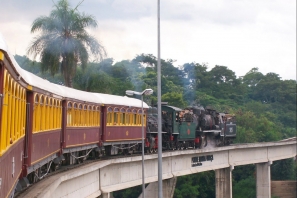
x=253 y=77
x=283 y=170
x=63 y=42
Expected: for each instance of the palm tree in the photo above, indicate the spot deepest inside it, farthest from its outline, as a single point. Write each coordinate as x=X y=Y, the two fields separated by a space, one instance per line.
x=63 y=42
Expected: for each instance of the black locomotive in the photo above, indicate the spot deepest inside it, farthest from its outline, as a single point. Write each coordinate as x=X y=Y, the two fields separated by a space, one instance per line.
x=192 y=127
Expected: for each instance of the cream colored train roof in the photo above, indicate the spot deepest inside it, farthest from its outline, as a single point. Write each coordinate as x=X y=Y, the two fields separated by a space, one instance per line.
x=67 y=92
x=121 y=100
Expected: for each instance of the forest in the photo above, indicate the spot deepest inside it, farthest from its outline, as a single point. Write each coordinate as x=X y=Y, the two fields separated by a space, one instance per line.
x=264 y=106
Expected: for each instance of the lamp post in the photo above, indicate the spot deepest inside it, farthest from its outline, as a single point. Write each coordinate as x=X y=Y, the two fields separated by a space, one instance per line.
x=160 y=185
x=144 y=92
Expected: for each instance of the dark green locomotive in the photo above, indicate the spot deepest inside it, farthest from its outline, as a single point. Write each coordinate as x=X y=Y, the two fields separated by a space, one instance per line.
x=192 y=127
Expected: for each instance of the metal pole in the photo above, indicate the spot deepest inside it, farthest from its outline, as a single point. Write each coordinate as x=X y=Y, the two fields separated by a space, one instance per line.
x=142 y=137
x=160 y=190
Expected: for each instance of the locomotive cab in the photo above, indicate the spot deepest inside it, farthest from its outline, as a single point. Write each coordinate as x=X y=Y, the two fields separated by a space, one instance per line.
x=227 y=125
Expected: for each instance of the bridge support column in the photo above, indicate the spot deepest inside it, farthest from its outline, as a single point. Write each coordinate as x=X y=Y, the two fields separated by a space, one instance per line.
x=224 y=182
x=168 y=185
x=263 y=180
x=106 y=195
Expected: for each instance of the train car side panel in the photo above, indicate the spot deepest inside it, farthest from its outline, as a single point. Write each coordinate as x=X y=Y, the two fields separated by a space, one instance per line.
x=44 y=144
x=11 y=166
x=79 y=136
x=123 y=133
x=82 y=123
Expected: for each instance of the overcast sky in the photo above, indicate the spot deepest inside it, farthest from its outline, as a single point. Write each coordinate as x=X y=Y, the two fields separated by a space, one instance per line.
x=239 y=34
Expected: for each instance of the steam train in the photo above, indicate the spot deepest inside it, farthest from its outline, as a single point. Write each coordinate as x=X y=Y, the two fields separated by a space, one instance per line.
x=192 y=127
x=45 y=125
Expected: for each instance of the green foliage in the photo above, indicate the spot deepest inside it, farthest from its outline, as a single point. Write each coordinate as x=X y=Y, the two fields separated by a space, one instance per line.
x=128 y=193
x=196 y=185
x=245 y=188
x=242 y=172
x=186 y=187
x=174 y=99
x=283 y=170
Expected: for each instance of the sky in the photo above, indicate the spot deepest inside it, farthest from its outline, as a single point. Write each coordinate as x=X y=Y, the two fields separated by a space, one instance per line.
x=239 y=34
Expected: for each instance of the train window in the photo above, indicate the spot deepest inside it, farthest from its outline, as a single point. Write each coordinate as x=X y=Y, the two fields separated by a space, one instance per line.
x=122 y=116
x=80 y=117
x=133 y=117
x=45 y=113
x=49 y=113
x=3 y=136
x=91 y=116
x=128 y=113
x=54 y=112
x=12 y=110
x=42 y=113
x=109 y=116
x=83 y=114
x=41 y=99
x=58 y=114
x=36 y=116
x=115 y=118
x=16 y=112
x=74 y=114
x=98 y=116
x=36 y=98
x=87 y=115
x=23 y=98
x=69 y=114
x=127 y=119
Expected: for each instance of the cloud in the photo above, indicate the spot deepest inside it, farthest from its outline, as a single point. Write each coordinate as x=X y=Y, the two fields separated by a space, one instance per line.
x=238 y=34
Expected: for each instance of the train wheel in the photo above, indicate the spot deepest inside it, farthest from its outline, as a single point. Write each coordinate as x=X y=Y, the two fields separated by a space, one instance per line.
x=173 y=146
x=178 y=146
x=182 y=146
x=150 y=150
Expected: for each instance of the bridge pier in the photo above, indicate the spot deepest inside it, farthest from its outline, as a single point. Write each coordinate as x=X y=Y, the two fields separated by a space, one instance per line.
x=263 y=188
x=106 y=195
x=224 y=182
x=168 y=185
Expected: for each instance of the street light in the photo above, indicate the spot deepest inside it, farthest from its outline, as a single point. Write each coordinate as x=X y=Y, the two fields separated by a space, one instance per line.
x=144 y=92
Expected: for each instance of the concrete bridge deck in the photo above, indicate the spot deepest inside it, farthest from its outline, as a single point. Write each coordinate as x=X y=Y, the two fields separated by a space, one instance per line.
x=102 y=177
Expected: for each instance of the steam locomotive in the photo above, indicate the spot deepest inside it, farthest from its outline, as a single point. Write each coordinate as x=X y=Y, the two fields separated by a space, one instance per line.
x=192 y=127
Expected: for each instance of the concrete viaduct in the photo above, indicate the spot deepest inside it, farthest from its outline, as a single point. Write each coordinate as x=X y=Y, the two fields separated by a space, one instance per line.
x=103 y=177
